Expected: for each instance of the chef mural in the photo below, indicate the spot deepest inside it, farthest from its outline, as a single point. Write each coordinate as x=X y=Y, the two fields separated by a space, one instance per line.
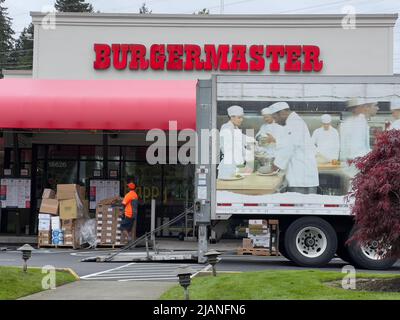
x=307 y=153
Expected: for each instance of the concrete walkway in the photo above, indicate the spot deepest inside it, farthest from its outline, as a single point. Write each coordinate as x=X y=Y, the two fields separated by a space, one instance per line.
x=105 y=290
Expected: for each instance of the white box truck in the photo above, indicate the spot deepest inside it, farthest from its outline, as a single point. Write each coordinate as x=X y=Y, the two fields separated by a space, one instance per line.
x=315 y=223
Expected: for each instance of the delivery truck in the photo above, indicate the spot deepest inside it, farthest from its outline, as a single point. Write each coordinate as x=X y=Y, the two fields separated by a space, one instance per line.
x=314 y=226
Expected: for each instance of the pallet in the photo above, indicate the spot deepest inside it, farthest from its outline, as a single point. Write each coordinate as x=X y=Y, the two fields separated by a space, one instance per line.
x=109 y=245
x=256 y=252
x=57 y=246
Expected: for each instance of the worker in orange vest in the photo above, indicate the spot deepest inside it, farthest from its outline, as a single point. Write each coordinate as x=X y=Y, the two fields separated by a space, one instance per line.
x=131 y=203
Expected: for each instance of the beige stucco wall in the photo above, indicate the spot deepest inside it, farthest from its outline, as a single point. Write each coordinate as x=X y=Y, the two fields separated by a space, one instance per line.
x=66 y=52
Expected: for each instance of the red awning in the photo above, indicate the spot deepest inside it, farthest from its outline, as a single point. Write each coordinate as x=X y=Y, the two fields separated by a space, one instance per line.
x=97 y=104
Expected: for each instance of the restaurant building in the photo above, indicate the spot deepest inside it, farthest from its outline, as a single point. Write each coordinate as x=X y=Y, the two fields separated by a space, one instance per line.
x=102 y=81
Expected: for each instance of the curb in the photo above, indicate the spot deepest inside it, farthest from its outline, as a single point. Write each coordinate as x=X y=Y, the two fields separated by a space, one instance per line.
x=72 y=272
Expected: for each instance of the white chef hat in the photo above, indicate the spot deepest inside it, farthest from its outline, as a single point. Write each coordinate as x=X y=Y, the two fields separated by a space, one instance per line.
x=235 y=111
x=395 y=104
x=278 y=106
x=326 y=118
x=358 y=102
x=266 y=111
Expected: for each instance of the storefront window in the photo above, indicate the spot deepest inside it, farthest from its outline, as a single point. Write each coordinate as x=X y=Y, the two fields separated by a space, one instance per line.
x=114 y=153
x=134 y=153
x=178 y=182
x=147 y=179
x=41 y=151
x=1 y=154
x=63 y=152
x=86 y=169
x=91 y=153
x=114 y=168
x=60 y=172
x=26 y=155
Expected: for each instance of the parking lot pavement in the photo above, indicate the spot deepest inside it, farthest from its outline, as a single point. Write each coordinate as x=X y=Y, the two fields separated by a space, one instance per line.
x=72 y=259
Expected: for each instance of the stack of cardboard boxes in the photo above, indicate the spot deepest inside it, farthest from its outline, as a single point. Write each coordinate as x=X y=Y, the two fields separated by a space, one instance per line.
x=258 y=233
x=61 y=214
x=262 y=238
x=108 y=222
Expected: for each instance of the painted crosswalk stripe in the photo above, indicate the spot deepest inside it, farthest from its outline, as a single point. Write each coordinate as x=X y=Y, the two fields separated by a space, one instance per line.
x=137 y=271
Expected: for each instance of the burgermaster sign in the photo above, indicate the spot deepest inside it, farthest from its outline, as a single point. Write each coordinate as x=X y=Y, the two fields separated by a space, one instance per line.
x=223 y=57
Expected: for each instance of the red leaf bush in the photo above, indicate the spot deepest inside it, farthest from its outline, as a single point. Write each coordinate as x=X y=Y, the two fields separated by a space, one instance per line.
x=376 y=191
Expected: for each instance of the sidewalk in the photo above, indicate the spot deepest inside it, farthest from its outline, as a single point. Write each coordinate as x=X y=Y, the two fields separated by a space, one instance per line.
x=105 y=290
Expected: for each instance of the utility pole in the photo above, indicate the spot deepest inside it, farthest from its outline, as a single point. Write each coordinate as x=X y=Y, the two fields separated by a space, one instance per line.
x=222 y=7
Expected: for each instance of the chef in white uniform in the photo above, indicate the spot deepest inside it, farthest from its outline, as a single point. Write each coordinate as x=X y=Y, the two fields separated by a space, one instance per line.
x=395 y=108
x=326 y=139
x=296 y=151
x=232 y=144
x=354 y=131
x=270 y=127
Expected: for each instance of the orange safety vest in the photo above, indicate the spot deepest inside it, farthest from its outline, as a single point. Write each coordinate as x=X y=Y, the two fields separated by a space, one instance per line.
x=127 y=202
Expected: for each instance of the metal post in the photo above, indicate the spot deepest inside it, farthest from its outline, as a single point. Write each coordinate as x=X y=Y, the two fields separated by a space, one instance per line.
x=186 y=290
x=105 y=155
x=147 y=247
x=25 y=266
x=202 y=243
x=153 y=219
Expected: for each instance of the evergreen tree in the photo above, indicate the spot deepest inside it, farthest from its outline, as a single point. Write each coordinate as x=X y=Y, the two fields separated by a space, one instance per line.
x=202 y=12
x=144 y=9
x=73 y=6
x=6 y=39
x=23 y=52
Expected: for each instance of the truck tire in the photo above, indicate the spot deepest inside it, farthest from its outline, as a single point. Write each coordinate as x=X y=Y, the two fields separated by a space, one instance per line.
x=366 y=258
x=282 y=249
x=310 y=242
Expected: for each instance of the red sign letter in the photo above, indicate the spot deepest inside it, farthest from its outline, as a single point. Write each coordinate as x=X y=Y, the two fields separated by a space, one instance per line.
x=175 y=52
x=311 y=59
x=138 y=53
x=216 y=59
x=103 y=52
x=120 y=63
x=292 y=55
x=239 y=55
x=193 y=53
x=157 y=56
x=256 y=53
x=276 y=52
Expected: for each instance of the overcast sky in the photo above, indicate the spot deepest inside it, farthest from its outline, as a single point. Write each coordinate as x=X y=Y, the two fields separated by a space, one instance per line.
x=19 y=9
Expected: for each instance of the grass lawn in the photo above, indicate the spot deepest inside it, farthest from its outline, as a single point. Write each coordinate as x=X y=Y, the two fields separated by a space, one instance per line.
x=279 y=285
x=14 y=283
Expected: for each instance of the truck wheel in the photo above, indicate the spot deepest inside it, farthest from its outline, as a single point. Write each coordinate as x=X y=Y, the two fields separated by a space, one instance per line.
x=366 y=257
x=310 y=242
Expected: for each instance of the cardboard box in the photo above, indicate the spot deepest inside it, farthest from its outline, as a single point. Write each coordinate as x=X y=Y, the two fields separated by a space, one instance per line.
x=67 y=223
x=44 y=225
x=67 y=191
x=69 y=209
x=48 y=194
x=49 y=206
x=44 y=234
x=55 y=223
x=247 y=243
x=82 y=192
x=44 y=216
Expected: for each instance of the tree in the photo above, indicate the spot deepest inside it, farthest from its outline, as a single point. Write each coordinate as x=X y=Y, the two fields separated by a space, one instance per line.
x=376 y=190
x=23 y=52
x=203 y=11
x=73 y=6
x=144 y=9
x=6 y=39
